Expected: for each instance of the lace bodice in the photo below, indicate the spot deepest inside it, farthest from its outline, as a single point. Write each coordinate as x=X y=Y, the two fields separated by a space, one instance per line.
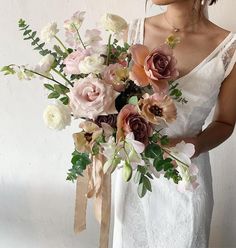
x=200 y=86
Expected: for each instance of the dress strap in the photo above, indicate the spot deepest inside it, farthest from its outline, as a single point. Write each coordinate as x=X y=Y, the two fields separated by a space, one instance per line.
x=134 y=31
x=228 y=55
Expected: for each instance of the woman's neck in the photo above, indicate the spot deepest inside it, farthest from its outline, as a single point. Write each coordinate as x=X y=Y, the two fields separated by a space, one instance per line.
x=183 y=15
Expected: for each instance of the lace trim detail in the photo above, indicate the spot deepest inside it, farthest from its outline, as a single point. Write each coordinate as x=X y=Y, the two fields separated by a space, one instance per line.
x=229 y=56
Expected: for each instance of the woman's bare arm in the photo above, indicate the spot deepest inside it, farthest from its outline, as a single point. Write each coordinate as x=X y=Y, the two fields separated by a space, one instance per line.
x=223 y=121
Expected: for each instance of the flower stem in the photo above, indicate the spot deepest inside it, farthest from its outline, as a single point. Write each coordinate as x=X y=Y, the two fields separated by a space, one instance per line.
x=108 y=49
x=60 y=42
x=61 y=75
x=77 y=31
x=51 y=79
x=174 y=157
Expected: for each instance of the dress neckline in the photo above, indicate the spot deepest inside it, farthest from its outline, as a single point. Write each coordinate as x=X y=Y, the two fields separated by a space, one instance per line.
x=195 y=68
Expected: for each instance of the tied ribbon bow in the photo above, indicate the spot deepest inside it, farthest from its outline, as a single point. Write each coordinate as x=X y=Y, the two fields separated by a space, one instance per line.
x=94 y=184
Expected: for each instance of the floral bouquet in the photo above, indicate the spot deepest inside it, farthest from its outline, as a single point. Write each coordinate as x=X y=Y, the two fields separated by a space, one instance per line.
x=122 y=97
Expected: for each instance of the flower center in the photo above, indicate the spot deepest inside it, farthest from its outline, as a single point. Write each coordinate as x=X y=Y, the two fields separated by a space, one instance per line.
x=156 y=110
x=88 y=136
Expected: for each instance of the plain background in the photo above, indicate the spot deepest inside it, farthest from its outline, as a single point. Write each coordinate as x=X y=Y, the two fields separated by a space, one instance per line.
x=36 y=202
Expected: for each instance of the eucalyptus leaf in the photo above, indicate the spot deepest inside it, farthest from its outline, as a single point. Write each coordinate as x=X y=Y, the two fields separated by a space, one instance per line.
x=141 y=190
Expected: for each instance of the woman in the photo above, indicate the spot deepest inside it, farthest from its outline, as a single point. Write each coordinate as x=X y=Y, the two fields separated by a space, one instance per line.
x=206 y=59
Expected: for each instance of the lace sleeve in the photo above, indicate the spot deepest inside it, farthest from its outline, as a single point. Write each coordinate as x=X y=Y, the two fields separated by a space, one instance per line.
x=229 y=56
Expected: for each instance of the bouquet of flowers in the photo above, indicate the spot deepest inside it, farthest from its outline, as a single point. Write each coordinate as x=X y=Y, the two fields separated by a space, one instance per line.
x=122 y=97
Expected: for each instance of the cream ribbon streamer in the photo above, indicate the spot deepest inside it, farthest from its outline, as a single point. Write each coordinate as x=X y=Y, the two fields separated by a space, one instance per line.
x=94 y=184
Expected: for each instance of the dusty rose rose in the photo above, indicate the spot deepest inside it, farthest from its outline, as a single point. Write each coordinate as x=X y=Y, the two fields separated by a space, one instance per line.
x=91 y=97
x=160 y=64
x=116 y=74
x=154 y=67
x=158 y=108
x=129 y=120
x=109 y=119
x=72 y=61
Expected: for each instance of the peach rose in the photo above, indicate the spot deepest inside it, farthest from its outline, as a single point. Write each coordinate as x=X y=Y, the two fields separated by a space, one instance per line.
x=91 y=97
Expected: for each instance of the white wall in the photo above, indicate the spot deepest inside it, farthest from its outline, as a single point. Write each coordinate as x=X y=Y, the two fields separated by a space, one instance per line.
x=36 y=203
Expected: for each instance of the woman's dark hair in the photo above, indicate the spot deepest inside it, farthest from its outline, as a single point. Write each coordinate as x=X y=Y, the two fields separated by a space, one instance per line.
x=212 y=2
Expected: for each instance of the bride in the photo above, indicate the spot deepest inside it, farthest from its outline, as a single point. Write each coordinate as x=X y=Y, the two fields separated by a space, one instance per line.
x=167 y=218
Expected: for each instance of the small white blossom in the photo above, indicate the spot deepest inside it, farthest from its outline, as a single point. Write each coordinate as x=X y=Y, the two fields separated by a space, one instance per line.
x=45 y=64
x=183 y=152
x=57 y=116
x=49 y=32
x=24 y=74
x=92 y=37
x=75 y=22
x=92 y=64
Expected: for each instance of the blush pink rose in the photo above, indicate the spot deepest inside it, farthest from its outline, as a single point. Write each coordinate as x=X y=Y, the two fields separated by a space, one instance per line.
x=91 y=97
x=115 y=74
x=72 y=61
x=160 y=64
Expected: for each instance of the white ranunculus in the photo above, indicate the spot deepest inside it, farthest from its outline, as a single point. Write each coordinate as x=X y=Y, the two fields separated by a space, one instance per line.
x=49 y=32
x=45 y=64
x=57 y=116
x=114 y=23
x=92 y=64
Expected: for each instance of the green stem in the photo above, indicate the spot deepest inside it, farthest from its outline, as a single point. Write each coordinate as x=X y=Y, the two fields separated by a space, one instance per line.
x=174 y=157
x=61 y=75
x=108 y=49
x=60 y=42
x=51 y=79
x=77 y=31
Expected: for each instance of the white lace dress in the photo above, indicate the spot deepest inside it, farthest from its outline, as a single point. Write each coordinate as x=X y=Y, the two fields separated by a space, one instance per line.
x=166 y=218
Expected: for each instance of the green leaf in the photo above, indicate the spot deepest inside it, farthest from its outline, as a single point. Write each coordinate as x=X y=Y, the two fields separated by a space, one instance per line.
x=54 y=94
x=147 y=183
x=137 y=176
x=133 y=100
x=153 y=151
x=65 y=100
x=164 y=140
x=142 y=190
x=79 y=163
x=28 y=31
x=158 y=164
x=49 y=86
x=33 y=34
x=149 y=175
x=142 y=169
x=167 y=166
x=35 y=41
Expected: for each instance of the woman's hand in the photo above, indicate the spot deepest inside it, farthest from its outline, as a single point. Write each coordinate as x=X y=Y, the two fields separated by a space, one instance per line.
x=192 y=140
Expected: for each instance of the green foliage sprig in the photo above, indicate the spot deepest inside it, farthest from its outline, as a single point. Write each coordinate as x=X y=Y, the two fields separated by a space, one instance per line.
x=29 y=34
x=79 y=161
x=176 y=93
